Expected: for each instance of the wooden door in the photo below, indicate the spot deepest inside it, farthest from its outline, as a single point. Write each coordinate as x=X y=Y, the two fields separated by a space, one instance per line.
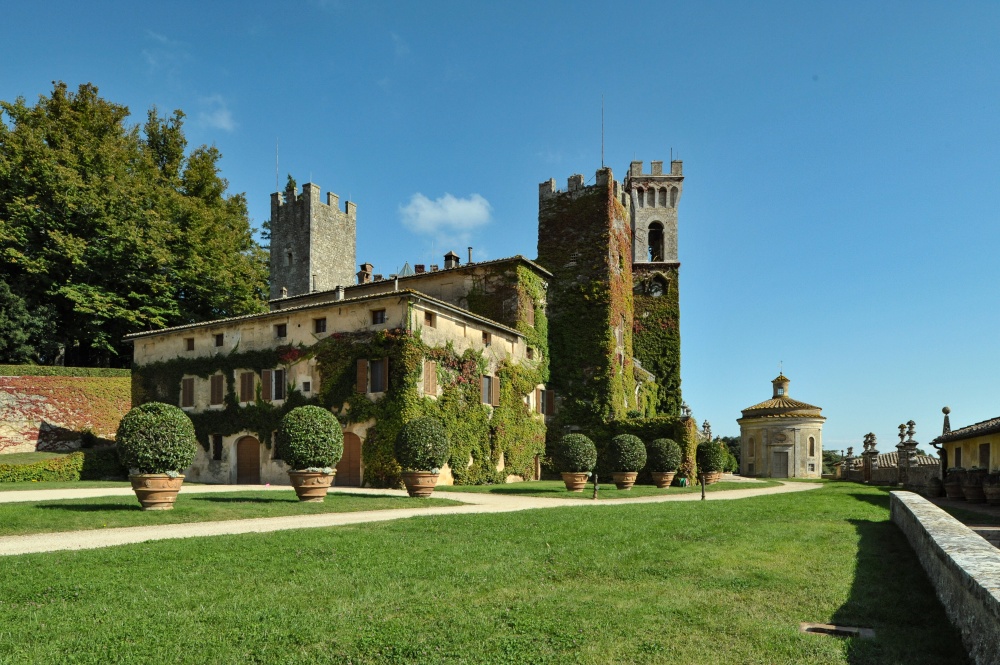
x=248 y=461
x=779 y=469
x=349 y=467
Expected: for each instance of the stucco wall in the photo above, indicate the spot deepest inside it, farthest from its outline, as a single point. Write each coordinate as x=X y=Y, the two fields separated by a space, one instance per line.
x=963 y=568
x=789 y=435
x=50 y=412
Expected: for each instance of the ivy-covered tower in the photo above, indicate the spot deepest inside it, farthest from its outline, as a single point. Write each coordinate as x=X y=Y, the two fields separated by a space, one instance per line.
x=585 y=240
x=653 y=199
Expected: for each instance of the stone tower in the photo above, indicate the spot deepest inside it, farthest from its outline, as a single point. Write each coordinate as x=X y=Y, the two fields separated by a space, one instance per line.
x=585 y=241
x=653 y=199
x=313 y=244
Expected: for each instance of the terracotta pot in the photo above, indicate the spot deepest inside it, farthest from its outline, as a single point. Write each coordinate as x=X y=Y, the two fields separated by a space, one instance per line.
x=663 y=478
x=953 y=490
x=419 y=483
x=156 y=491
x=624 y=479
x=973 y=491
x=712 y=477
x=992 y=493
x=311 y=486
x=575 y=482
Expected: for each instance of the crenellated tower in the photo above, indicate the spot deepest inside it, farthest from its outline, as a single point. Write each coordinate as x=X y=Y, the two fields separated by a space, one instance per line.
x=654 y=197
x=313 y=243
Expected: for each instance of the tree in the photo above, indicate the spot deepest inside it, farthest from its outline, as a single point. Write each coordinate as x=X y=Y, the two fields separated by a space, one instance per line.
x=109 y=230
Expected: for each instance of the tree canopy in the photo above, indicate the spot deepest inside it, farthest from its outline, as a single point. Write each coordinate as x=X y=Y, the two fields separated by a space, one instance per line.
x=107 y=228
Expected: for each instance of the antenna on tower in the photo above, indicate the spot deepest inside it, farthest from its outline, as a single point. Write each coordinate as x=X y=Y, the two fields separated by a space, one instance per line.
x=277 y=186
x=602 y=130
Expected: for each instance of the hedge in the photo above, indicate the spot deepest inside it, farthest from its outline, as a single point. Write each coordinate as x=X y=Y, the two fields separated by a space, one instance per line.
x=46 y=370
x=95 y=464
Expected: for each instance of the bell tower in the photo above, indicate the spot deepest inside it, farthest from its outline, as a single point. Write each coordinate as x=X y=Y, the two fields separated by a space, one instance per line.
x=654 y=197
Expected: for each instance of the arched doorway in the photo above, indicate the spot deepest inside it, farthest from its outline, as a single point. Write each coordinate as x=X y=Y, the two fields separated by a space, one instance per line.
x=248 y=461
x=349 y=467
x=655 y=236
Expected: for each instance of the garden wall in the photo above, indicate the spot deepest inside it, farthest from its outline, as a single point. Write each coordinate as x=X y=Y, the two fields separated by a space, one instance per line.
x=52 y=413
x=964 y=569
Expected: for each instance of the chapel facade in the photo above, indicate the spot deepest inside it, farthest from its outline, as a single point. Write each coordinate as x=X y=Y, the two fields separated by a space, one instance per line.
x=781 y=437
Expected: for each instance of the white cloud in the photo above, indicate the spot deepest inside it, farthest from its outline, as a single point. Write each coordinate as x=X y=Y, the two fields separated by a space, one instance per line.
x=217 y=114
x=448 y=219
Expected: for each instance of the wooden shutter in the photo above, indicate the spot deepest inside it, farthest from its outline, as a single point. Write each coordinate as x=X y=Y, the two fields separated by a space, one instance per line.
x=538 y=400
x=430 y=377
x=187 y=392
x=216 y=389
x=265 y=385
x=496 y=391
x=550 y=402
x=361 y=384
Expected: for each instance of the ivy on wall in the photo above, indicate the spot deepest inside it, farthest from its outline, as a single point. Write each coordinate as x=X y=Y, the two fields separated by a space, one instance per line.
x=657 y=338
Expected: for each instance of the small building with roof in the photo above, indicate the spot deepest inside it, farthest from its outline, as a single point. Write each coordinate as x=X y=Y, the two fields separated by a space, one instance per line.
x=781 y=437
x=977 y=445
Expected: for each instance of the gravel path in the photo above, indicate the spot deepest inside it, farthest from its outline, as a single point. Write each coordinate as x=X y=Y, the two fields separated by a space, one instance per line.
x=472 y=503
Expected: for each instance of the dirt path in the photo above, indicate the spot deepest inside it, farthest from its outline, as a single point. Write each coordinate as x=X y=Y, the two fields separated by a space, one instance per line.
x=473 y=503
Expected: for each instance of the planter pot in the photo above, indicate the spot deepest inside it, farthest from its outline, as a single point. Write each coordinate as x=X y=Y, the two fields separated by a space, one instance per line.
x=712 y=477
x=624 y=479
x=311 y=486
x=575 y=482
x=992 y=493
x=663 y=478
x=953 y=491
x=156 y=491
x=974 y=492
x=419 y=483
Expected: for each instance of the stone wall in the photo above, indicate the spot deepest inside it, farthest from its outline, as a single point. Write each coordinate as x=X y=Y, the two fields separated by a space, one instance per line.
x=963 y=568
x=50 y=413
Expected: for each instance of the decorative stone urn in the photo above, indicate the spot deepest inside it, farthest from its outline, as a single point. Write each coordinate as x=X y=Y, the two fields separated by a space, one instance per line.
x=311 y=486
x=575 y=482
x=419 y=484
x=624 y=480
x=663 y=479
x=156 y=491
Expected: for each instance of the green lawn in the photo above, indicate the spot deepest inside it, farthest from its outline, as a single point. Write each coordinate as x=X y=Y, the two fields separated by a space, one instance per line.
x=684 y=582
x=28 y=458
x=118 y=511
x=65 y=485
x=556 y=489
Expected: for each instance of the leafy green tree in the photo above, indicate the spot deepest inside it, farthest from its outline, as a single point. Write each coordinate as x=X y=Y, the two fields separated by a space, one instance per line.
x=111 y=230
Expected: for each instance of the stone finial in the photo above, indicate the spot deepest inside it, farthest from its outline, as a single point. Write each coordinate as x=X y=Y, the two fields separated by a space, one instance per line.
x=685 y=410
x=706 y=430
x=947 y=421
x=911 y=429
x=902 y=433
x=850 y=451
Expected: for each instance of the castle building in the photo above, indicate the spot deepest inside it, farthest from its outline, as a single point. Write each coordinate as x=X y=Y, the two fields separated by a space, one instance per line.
x=781 y=437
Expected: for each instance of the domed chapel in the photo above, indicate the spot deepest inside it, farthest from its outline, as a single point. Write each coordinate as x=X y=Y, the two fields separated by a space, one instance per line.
x=781 y=437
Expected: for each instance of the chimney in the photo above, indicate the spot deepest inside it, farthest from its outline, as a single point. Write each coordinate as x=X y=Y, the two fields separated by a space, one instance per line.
x=451 y=260
x=365 y=274
x=377 y=278
x=419 y=268
x=434 y=267
x=470 y=255
x=338 y=293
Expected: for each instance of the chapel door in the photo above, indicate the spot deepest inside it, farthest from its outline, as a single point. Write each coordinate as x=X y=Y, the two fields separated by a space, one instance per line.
x=248 y=461
x=349 y=467
x=779 y=468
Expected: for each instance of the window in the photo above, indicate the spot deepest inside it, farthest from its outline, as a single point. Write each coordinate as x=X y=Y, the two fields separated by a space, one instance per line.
x=531 y=353
x=217 y=446
x=378 y=316
x=548 y=402
x=812 y=468
x=750 y=448
x=430 y=320
x=246 y=386
x=958 y=457
x=189 y=343
x=538 y=400
x=272 y=384
x=430 y=377
x=491 y=390
x=216 y=384
x=219 y=339
x=812 y=448
x=319 y=325
x=781 y=391
x=281 y=330
x=655 y=242
x=377 y=376
x=187 y=392
x=487 y=339
x=529 y=313
x=372 y=376
x=984 y=455
x=307 y=386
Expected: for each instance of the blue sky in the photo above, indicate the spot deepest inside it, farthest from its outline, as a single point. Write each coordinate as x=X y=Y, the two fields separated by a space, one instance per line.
x=842 y=165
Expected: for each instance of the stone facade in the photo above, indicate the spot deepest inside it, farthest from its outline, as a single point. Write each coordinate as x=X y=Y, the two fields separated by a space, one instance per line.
x=781 y=437
x=653 y=198
x=313 y=244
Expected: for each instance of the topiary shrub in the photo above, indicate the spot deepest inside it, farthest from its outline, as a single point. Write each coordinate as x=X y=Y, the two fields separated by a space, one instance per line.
x=156 y=438
x=663 y=455
x=711 y=456
x=576 y=454
x=422 y=445
x=310 y=437
x=626 y=453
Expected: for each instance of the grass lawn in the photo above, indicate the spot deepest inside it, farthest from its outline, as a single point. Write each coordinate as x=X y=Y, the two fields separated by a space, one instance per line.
x=556 y=489
x=686 y=582
x=118 y=511
x=64 y=485
x=28 y=458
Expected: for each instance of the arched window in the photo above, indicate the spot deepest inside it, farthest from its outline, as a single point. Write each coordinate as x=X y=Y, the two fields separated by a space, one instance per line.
x=750 y=448
x=651 y=194
x=812 y=447
x=655 y=241
x=673 y=197
x=658 y=286
x=641 y=197
x=663 y=196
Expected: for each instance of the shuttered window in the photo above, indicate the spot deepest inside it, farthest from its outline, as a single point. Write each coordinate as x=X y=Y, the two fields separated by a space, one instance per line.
x=361 y=383
x=279 y=384
x=548 y=402
x=430 y=377
x=495 y=392
x=246 y=386
x=187 y=392
x=217 y=383
x=265 y=385
x=538 y=400
x=378 y=379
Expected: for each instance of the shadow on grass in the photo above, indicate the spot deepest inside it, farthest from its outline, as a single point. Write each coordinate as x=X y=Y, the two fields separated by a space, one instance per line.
x=246 y=499
x=892 y=595
x=89 y=507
